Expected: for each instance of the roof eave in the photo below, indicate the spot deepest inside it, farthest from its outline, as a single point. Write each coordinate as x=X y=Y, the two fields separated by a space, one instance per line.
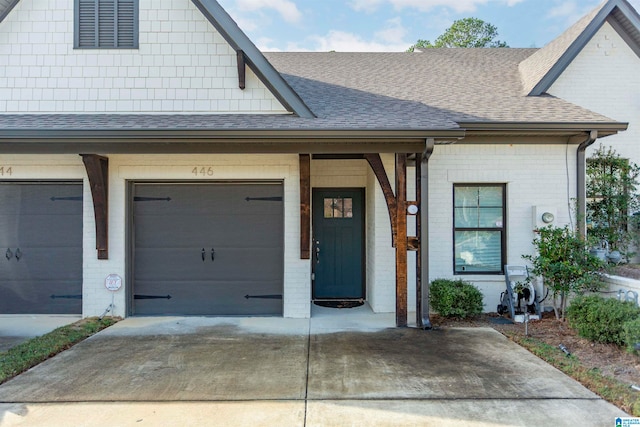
x=543 y=128
x=8 y=9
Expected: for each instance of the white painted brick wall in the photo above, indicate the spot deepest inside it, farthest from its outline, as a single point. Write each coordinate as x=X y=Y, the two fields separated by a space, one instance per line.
x=297 y=276
x=536 y=175
x=183 y=65
x=605 y=77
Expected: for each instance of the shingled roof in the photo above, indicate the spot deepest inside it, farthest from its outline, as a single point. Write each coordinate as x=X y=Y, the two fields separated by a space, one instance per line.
x=439 y=90
x=462 y=85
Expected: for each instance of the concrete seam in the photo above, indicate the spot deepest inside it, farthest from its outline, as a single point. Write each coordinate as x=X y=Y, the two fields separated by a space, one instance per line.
x=306 y=387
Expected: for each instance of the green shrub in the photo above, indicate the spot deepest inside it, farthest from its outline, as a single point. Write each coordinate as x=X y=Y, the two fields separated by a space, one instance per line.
x=601 y=319
x=631 y=333
x=455 y=298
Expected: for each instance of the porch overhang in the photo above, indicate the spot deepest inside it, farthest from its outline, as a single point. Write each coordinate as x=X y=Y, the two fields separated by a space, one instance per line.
x=70 y=141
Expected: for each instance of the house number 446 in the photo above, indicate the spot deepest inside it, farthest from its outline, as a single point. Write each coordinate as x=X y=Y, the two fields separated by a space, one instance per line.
x=202 y=171
x=6 y=171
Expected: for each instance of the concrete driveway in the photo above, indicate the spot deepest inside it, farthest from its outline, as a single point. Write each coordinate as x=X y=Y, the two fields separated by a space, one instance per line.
x=341 y=368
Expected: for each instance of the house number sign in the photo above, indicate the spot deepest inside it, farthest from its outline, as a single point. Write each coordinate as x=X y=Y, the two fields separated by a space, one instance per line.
x=202 y=171
x=6 y=170
x=113 y=282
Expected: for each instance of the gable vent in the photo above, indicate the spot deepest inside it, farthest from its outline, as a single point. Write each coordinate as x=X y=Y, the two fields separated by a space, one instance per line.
x=106 y=24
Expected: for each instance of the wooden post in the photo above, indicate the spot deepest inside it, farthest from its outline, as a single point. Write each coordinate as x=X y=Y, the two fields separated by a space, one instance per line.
x=401 y=240
x=305 y=206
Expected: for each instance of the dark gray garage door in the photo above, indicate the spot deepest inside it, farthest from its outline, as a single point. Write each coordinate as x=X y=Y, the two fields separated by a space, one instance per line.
x=41 y=248
x=208 y=249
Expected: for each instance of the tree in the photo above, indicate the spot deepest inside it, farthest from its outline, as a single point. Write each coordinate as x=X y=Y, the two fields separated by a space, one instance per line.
x=612 y=200
x=467 y=32
x=564 y=263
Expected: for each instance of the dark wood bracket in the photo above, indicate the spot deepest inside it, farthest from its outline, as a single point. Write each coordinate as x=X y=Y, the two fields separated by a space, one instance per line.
x=98 y=173
x=377 y=167
x=305 y=206
x=242 y=70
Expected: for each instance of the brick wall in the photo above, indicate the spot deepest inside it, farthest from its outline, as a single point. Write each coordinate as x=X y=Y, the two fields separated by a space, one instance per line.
x=182 y=65
x=536 y=175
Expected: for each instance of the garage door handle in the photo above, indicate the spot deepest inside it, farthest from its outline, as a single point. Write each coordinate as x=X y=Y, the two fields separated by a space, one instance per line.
x=204 y=253
x=8 y=254
x=213 y=254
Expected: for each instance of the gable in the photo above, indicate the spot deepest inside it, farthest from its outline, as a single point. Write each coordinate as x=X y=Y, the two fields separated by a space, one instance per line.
x=541 y=69
x=605 y=77
x=183 y=64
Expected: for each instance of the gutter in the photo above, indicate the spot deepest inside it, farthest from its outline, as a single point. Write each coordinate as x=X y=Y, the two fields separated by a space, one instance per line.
x=422 y=308
x=582 y=181
x=604 y=128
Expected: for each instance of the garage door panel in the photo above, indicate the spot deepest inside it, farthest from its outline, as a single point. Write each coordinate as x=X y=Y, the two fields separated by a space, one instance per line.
x=204 y=298
x=243 y=224
x=40 y=296
x=44 y=263
x=155 y=231
x=229 y=264
x=166 y=199
x=41 y=235
x=41 y=230
x=36 y=199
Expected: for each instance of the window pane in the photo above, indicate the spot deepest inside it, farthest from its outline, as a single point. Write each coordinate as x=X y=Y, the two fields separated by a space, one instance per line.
x=491 y=196
x=478 y=251
x=490 y=218
x=328 y=208
x=337 y=208
x=466 y=196
x=348 y=208
x=466 y=217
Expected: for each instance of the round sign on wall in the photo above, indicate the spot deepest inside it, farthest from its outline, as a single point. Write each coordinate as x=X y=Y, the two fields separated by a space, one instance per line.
x=113 y=282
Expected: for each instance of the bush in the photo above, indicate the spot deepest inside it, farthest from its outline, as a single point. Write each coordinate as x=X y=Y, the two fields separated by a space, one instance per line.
x=601 y=320
x=631 y=334
x=455 y=298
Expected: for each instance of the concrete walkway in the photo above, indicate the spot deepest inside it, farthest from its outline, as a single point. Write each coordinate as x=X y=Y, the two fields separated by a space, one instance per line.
x=343 y=367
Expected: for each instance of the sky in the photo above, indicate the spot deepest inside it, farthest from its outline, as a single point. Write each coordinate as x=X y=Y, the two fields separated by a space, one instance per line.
x=395 y=25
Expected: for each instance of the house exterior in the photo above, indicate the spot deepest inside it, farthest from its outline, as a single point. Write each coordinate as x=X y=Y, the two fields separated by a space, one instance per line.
x=151 y=148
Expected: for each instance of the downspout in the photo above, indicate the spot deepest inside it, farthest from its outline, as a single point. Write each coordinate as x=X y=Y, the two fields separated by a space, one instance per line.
x=582 y=182
x=425 y=322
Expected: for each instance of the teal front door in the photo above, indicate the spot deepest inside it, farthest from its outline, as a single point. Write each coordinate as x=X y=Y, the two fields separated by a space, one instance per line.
x=338 y=249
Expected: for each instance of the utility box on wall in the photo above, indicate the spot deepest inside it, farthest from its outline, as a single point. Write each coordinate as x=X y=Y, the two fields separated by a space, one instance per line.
x=544 y=216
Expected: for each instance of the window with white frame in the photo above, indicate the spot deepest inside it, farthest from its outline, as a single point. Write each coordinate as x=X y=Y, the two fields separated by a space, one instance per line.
x=479 y=228
x=106 y=24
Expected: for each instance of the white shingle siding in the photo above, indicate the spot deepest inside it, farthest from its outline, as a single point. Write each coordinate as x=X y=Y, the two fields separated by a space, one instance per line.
x=605 y=77
x=183 y=65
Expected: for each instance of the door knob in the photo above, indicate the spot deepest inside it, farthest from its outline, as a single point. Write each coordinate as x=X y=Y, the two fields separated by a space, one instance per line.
x=8 y=254
x=213 y=254
x=317 y=251
x=18 y=254
x=204 y=254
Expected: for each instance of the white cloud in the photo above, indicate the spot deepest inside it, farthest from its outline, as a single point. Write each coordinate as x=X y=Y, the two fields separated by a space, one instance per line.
x=365 y=5
x=286 y=8
x=391 y=38
x=571 y=11
x=458 y=6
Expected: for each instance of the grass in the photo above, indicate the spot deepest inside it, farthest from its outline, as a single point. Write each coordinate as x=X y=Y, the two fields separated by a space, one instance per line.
x=610 y=389
x=28 y=354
